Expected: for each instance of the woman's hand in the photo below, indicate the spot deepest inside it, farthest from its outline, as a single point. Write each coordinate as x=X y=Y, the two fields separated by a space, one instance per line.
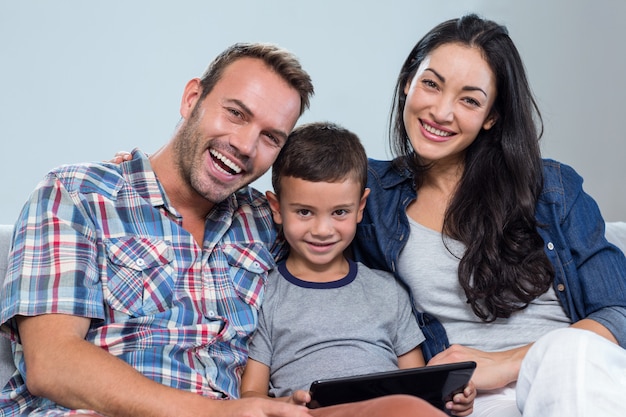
x=494 y=369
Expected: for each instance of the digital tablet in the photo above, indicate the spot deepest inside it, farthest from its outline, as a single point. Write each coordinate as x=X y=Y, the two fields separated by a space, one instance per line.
x=435 y=384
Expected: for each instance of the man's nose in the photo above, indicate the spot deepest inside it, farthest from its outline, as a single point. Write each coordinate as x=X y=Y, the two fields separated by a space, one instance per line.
x=245 y=140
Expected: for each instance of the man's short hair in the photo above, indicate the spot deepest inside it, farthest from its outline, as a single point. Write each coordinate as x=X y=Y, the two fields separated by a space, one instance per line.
x=283 y=62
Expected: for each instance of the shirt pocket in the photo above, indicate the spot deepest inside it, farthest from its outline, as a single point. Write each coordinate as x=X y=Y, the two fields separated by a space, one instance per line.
x=249 y=265
x=139 y=275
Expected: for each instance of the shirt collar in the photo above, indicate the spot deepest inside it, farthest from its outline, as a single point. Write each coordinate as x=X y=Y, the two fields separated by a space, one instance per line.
x=139 y=174
x=389 y=175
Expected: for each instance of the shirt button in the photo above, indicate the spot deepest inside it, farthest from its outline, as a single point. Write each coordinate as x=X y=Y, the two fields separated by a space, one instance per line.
x=550 y=246
x=560 y=287
x=140 y=262
x=211 y=313
x=256 y=267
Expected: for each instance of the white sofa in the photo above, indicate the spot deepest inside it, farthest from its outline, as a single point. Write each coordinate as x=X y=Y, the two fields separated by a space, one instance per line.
x=6 y=359
x=615 y=233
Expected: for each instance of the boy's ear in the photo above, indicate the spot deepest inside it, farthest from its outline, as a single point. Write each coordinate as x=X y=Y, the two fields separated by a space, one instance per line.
x=362 y=203
x=274 y=206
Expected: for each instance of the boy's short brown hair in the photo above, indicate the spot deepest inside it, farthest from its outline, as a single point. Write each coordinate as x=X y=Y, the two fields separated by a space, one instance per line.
x=321 y=152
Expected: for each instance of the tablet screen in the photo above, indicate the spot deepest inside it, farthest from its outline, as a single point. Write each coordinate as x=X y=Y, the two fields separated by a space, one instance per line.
x=435 y=384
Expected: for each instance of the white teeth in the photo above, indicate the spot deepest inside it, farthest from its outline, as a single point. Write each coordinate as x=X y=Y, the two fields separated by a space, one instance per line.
x=436 y=131
x=230 y=164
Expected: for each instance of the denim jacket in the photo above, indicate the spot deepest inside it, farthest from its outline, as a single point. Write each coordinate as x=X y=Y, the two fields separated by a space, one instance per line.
x=590 y=272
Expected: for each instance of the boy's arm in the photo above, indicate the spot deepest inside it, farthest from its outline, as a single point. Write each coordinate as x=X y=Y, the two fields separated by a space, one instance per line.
x=255 y=382
x=411 y=359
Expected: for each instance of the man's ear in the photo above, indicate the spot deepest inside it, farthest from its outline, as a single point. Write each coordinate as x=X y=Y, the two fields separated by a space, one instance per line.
x=191 y=95
x=274 y=206
x=362 y=203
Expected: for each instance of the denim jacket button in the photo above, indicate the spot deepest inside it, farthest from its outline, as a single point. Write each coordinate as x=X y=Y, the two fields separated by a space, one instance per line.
x=560 y=287
x=550 y=246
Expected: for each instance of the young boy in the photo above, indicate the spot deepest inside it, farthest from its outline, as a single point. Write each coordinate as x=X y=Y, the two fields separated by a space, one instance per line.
x=324 y=315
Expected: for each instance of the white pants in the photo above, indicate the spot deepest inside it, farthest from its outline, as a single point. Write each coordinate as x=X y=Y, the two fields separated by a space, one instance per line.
x=568 y=372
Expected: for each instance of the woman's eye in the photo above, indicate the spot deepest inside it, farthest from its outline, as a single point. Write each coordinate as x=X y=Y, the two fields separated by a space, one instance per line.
x=429 y=83
x=472 y=102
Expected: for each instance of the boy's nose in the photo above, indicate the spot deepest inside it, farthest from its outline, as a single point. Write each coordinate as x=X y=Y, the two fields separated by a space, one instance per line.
x=323 y=227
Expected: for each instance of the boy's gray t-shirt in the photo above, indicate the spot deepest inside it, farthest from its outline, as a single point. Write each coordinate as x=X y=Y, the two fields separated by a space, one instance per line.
x=307 y=331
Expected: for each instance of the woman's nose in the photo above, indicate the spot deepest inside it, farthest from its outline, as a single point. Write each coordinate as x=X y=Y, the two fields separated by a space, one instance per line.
x=443 y=110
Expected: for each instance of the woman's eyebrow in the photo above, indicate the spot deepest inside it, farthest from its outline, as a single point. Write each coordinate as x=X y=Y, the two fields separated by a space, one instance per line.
x=465 y=88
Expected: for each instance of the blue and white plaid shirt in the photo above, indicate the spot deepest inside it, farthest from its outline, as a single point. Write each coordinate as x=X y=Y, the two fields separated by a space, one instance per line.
x=102 y=241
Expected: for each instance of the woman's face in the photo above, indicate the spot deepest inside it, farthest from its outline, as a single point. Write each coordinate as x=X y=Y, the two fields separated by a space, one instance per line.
x=448 y=102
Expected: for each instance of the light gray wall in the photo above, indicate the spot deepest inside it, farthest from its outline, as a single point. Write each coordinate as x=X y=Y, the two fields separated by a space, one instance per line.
x=80 y=79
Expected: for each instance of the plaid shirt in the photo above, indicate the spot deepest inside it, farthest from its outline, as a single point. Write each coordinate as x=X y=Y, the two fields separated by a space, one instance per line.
x=102 y=241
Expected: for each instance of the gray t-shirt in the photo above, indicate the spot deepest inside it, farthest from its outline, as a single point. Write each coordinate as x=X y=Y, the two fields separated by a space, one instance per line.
x=431 y=273
x=356 y=325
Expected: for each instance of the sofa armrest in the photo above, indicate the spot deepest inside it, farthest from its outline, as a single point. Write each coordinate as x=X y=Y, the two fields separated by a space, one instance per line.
x=616 y=234
x=7 y=367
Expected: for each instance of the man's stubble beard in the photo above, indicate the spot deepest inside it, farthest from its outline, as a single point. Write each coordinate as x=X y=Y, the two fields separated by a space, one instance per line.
x=190 y=148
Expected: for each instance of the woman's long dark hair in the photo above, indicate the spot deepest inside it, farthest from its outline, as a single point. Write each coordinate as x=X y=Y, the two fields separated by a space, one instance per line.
x=493 y=209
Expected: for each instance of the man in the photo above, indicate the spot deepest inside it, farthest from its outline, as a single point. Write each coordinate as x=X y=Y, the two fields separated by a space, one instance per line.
x=133 y=289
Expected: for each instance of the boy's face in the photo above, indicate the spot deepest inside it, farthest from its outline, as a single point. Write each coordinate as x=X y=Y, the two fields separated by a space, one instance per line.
x=319 y=220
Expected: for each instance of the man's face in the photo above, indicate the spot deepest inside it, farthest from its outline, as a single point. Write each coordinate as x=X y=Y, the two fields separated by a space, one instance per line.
x=233 y=135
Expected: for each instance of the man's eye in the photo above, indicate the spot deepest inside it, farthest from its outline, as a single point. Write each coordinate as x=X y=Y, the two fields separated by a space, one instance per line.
x=235 y=113
x=273 y=139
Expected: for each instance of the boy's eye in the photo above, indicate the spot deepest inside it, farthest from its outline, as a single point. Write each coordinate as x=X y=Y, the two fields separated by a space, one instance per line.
x=341 y=212
x=304 y=212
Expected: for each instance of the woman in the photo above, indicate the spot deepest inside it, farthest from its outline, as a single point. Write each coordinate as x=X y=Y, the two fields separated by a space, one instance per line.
x=498 y=246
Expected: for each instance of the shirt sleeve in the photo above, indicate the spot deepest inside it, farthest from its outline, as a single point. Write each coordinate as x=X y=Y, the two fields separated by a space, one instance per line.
x=261 y=346
x=595 y=269
x=53 y=260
